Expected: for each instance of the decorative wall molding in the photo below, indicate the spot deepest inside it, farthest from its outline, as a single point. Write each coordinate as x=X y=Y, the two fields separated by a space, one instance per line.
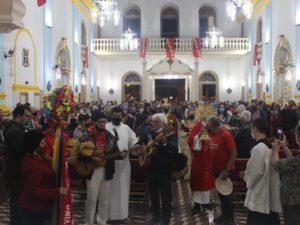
x=26 y=88
x=2 y=95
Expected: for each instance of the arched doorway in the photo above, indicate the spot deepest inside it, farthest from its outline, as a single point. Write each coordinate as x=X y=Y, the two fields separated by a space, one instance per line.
x=209 y=86
x=131 y=86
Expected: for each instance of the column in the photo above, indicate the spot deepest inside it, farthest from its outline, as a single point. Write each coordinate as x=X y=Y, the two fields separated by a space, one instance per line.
x=268 y=88
x=297 y=52
x=250 y=82
x=145 y=82
x=194 y=92
x=76 y=53
x=49 y=79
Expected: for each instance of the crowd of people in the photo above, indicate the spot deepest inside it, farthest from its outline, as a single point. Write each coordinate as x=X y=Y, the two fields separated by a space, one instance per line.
x=254 y=131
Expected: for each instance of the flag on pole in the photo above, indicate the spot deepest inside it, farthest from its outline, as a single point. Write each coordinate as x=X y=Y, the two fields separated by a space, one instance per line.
x=144 y=46
x=41 y=2
x=197 y=47
x=170 y=47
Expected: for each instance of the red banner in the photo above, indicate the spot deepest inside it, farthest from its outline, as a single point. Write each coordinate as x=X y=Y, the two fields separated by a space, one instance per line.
x=63 y=213
x=197 y=47
x=170 y=47
x=254 y=54
x=41 y=2
x=144 y=46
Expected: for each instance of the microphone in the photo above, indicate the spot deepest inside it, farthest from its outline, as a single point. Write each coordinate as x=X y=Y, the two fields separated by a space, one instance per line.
x=116 y=133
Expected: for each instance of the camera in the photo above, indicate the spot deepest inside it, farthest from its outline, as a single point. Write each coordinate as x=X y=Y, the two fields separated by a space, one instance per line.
x=280 y=134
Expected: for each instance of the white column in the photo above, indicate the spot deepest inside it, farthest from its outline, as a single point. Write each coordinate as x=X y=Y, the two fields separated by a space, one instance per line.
x=145 y=81
x=194 y=91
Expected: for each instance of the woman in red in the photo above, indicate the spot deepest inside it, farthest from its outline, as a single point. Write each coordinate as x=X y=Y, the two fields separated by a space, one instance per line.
x=39 y=192
x=202 y=180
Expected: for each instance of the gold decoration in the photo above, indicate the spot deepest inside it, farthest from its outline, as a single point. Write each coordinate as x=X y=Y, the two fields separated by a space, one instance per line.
x=202 y=113
x=205 y=111
x=165 y=102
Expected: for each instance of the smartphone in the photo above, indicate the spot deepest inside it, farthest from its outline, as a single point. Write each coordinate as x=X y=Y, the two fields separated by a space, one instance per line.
x=280 y=134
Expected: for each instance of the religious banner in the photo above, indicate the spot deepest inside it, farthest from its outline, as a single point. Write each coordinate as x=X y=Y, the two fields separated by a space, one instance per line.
x=197 y=47
x=254 y=54
x=41 y=2
x=25 y=57
x=143 y=49
x=58 y=104
x=170 y=47
x=87 y=57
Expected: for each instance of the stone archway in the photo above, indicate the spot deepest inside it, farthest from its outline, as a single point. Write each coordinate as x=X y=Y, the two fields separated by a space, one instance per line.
x=208 y=86
x=132 y=86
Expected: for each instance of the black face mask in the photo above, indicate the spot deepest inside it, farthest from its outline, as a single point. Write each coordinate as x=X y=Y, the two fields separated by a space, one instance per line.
x=191 y=117
x=116 y=121
x=166 y=110
x=100 y=129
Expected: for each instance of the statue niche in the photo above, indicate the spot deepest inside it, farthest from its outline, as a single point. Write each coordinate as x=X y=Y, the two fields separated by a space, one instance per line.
x=283 y=63
x=63 y=61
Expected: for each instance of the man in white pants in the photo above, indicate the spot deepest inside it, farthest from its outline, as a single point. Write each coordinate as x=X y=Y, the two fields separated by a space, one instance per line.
x=98 y=187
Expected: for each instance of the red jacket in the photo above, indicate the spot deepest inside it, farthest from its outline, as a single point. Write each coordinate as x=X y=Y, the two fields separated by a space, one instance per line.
x=39 y=192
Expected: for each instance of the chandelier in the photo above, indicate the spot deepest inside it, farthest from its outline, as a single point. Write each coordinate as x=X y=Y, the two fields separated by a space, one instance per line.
x=245 y=6
x=214 y=38
x=106 y=11
x=129 y=40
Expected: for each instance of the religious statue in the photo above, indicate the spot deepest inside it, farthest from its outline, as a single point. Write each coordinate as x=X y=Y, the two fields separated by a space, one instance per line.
x=63 y=60
x=283 y=62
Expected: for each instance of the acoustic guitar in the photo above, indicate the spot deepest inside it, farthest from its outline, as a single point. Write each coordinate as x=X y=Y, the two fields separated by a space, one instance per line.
x=149 y=150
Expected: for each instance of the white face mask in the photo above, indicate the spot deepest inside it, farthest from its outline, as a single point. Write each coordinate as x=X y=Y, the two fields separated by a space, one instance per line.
x=253 y=136
x=141 y=110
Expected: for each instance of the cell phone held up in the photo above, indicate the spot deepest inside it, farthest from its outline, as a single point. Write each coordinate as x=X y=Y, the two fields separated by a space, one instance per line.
x=279 y=134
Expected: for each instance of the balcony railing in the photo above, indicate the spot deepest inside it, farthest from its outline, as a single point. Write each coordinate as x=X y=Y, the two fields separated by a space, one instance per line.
x=106 y=46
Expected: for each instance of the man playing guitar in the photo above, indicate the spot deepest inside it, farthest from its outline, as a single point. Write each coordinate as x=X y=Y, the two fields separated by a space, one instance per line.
x=160 y=166
x=98 y=186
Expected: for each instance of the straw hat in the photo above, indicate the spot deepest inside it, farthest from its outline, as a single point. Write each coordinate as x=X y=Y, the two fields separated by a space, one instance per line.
x=224 y=187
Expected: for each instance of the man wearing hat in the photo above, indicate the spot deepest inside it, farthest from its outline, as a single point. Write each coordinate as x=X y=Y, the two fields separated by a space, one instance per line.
x=164 y=143
x=223 y=155
x=170 y=117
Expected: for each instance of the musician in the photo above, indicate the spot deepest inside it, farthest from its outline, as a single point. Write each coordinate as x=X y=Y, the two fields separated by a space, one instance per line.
x=81 y=129
x=119 y=198
x=160 y=167
x=98 y=186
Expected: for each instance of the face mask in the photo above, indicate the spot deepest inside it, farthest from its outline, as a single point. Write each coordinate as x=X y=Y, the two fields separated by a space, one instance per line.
x=222 y=110
x=141 y=110
x=253 y=136
x=191 y=117
x=116 y=121
x=99 y=129
x=166 y=110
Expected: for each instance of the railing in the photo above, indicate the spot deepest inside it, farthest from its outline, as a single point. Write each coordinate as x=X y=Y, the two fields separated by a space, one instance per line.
x=112 y=45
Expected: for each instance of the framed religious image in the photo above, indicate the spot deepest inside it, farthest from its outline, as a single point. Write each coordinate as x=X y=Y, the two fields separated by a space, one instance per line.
x=25 y=57
x=23 y=97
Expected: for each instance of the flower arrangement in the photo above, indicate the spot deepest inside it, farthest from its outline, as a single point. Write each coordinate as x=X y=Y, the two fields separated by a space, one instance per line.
x=58 y=104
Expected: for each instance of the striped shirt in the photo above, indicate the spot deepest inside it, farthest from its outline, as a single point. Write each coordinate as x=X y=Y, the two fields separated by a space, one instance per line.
x=79 y=133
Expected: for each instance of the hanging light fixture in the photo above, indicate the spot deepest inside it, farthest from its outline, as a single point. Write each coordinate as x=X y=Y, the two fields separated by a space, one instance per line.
x=245 y=6
x=129 y=40
x=214 y=38
x=106 y=11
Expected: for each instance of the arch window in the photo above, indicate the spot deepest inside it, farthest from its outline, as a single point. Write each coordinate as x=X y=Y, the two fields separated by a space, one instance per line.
x=207 y=19
x=132 y=20
x=132 y=87
x=169 y=23
x=209 y=91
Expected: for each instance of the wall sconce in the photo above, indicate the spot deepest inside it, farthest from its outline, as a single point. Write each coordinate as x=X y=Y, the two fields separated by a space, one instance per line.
x=229 y=91
x=26 y=82
x=111 y=91
x=9 y=53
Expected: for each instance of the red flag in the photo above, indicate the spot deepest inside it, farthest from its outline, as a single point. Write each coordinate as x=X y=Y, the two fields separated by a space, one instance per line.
x=41 y=2
x=197 y=47
x=65 y=211
x=144 y=45
x=254 y=54
x=170 y=47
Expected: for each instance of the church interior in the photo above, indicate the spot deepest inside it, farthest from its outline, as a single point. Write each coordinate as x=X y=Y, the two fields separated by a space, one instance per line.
x=77 y=62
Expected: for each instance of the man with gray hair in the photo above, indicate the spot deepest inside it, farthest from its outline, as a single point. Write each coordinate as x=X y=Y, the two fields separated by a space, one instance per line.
x=223 y=155
x=243 y=138
x=163 y=142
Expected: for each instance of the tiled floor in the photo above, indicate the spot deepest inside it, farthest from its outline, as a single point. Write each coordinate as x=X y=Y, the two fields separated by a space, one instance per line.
x=140 y=215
